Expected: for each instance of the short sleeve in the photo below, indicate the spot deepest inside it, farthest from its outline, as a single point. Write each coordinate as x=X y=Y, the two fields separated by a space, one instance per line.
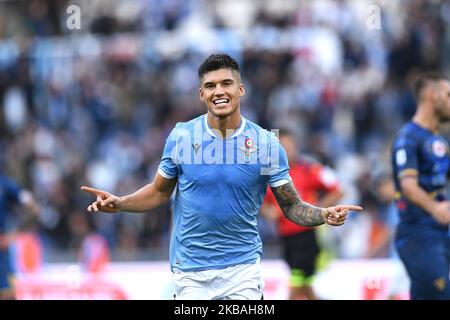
x=279 y=165
x=405 y=156
x=168 y=168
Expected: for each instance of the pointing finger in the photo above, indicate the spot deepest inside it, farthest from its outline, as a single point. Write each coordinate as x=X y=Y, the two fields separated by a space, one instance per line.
x=92 y=190
x=350 y=207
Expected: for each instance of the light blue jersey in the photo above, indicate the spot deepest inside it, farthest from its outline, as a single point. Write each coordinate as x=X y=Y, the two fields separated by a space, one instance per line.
x=221 y=185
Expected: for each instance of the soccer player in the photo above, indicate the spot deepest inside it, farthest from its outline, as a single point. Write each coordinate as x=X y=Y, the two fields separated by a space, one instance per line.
x=220 y=164
x=10 y=193
x=420 y=160
x=318 y=185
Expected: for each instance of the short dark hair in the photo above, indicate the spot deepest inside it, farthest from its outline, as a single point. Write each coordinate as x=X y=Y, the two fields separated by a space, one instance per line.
x=216 y=62
x=424 y=79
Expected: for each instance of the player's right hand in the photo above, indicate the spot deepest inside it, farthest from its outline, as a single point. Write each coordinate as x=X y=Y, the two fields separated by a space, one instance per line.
x=105 y=201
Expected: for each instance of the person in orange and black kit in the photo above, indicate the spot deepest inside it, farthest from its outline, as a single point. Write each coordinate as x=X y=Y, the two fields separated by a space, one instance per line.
x=318 y=185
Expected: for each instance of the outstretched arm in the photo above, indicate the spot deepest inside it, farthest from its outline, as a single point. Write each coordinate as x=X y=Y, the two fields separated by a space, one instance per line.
x=144 y=199
x=305 y=214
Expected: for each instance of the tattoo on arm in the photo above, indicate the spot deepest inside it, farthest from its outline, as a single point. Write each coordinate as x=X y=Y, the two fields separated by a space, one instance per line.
x=295 y=209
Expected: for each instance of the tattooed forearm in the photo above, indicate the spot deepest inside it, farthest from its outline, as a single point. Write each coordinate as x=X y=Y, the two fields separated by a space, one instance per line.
x=295 y=209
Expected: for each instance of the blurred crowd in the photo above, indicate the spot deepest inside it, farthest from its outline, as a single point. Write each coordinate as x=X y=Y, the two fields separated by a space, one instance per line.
x=93 y=105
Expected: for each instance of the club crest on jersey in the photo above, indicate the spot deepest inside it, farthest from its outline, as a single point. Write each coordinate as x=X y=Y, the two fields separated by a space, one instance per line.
x=248 y=149
x=439 y=148
x=249 y=143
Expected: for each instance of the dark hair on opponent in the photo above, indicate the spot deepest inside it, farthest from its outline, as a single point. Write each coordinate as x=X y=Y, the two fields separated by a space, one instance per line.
x=424 y=80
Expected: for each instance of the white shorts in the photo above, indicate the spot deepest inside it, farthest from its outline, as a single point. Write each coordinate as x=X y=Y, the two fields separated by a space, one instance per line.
x=240 y=282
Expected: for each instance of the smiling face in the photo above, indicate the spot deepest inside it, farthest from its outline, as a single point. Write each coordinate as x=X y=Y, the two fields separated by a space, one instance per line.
x=221 y=90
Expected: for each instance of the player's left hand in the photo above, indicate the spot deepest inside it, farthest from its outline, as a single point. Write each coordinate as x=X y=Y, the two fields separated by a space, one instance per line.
x=336 y=215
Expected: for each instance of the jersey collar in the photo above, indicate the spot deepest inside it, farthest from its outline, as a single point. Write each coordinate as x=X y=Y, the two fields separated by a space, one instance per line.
x=236 y=132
